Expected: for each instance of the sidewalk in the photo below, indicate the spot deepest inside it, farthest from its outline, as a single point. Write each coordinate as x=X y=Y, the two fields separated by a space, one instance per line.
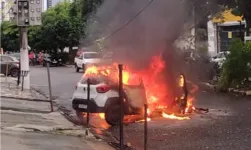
x=28 y=124
x=9 y=89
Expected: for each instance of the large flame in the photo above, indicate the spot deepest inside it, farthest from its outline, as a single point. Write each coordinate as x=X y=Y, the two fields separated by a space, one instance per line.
x=154 y=82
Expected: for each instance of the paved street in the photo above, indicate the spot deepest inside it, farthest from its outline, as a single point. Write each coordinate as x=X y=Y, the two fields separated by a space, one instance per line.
x=226 y=126
x=63 y=81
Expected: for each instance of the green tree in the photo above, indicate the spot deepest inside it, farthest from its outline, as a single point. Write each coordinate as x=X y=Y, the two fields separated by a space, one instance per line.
x=237 y=66
x=59 y=29
x=240 y=8
x=9 y=37
x=35 y=37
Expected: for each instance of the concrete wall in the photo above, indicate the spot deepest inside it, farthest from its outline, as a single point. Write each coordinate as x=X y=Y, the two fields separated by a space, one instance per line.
x=212 y=38
x=186 y=41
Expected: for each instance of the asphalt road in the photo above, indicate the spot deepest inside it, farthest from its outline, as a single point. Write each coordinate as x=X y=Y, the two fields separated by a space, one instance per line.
x=63 y=81
x=226 y=126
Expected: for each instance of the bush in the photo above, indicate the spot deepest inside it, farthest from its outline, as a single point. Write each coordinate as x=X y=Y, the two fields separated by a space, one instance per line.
x=236 y=68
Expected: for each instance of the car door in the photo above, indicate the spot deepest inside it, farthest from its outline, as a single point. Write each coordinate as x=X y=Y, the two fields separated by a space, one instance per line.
x=80 y=60
x=3 y=65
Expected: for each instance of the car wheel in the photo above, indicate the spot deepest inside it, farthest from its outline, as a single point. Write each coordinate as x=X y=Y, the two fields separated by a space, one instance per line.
x=79 y=114
x=83 y=67
x=77 y=69
x=14 y=72
x=112 y=115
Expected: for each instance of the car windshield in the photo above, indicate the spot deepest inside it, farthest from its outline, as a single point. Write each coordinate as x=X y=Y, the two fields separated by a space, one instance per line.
x=17 y=55
x=91 y=55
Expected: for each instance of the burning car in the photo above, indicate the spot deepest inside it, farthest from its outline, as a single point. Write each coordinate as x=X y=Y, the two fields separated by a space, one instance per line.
x=104 y=97
x=147 y=86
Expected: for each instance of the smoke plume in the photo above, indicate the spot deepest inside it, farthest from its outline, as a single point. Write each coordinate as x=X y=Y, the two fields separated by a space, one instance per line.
x=151 y=32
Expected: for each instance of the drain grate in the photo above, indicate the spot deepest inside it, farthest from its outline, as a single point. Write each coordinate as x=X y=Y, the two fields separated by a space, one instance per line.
x=117 y=146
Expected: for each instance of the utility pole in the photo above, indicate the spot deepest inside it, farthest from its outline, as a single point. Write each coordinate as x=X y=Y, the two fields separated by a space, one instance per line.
x=2 y=12
x=25 y=13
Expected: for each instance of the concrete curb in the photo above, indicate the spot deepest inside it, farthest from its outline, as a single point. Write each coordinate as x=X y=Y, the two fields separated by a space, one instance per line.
x=242 y=92
x=27 y=99
x=69 y=66
x=24 y=110
x=43 y=94
x=231 y=90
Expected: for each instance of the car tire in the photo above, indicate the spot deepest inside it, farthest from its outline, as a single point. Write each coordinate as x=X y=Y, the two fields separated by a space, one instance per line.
x=14 y=72
x=112 y=115
x=79 y=114
x=83 y=67
x=77 y=69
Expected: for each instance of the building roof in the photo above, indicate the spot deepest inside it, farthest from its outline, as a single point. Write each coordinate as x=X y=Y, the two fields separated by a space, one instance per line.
x=227 y=16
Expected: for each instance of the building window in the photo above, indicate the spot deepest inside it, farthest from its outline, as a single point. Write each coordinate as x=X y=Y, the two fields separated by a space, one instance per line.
x=3 y=5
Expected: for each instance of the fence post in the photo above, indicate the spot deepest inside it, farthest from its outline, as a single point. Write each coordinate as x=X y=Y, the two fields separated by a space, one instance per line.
x=49 y=82
x=88 y=100
x=19 y=73
x=7 y=72
x=121 y=105
x=145 y=127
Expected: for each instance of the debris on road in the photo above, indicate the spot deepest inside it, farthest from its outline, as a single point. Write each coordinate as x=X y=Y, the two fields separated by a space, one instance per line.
x=196 y=109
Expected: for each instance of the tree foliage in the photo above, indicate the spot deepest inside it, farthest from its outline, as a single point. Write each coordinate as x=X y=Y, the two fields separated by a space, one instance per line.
x=9 y=36
x=211 y=7
x=237 y=68
x=60 y=27
x=241 y=8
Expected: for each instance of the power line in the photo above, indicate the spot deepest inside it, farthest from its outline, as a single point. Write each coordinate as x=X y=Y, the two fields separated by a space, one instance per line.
x=128 y=22
x=119 y=29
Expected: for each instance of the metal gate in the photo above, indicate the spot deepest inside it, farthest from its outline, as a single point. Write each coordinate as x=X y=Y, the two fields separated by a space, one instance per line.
x=228 y=33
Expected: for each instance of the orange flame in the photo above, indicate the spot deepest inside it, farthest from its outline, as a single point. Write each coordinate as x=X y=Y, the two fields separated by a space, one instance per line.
x=102 y=115
x=154 y=82
x=172 y=116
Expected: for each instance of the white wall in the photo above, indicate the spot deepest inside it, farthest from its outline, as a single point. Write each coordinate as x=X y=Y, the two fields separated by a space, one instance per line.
x=5 y=9
x=212 y=38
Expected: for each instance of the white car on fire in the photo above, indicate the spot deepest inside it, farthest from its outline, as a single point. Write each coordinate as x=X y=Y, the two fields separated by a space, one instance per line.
x=104 y=98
